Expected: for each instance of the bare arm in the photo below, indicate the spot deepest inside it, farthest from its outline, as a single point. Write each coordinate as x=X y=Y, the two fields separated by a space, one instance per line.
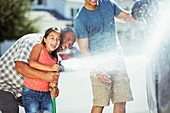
x=83 y=45
x=27 y=71
x=126 y=16
x=36 y=51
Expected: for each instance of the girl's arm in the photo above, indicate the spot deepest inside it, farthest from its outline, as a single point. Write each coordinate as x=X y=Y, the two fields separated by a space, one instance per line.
x=36 y=51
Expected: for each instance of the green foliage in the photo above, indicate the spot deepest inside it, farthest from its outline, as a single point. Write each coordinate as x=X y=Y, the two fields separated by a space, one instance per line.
x=13 y=20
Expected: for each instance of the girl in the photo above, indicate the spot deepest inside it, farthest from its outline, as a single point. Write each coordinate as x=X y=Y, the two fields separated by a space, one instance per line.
x=35 y=93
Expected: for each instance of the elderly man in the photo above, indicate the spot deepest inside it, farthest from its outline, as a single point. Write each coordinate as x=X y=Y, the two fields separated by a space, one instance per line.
x=14 y=67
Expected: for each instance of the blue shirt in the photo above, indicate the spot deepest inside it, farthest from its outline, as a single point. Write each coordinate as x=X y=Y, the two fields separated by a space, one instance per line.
x=98 y=26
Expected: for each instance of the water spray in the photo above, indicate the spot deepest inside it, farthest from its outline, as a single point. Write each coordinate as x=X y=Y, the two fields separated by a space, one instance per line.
x=103 y=63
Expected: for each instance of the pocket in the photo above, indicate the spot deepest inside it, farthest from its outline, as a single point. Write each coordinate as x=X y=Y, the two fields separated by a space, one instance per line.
x=95 y=82
x=26 y=90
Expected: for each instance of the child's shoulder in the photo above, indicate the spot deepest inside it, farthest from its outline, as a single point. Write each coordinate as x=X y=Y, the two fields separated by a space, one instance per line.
x=39 y=46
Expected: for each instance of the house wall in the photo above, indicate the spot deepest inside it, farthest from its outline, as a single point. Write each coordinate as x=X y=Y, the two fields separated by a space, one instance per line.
x=46 y=4
x=60 y=7
x=63 y=7
x=72 y=5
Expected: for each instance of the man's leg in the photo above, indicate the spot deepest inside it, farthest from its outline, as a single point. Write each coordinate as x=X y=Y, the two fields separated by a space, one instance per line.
x=97 y=109
x=101 y=94
x=119 y=107
x=19 y=100
x=121 y=92
x=8 y=103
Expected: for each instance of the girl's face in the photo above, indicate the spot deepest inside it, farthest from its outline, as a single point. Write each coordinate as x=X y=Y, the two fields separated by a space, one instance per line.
x=52 y=41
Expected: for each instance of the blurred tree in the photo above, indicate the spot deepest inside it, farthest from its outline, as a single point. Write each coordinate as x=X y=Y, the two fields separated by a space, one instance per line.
x=13 y=20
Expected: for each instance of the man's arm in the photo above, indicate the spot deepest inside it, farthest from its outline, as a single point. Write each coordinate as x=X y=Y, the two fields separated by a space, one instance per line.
x=83 y=45
x=126 y=16
x=25 y=70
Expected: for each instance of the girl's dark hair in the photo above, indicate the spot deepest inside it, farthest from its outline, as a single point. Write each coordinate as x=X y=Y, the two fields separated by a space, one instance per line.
x=48 y=31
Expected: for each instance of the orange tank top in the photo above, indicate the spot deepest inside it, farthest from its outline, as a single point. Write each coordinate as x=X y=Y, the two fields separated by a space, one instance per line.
x=39 y=84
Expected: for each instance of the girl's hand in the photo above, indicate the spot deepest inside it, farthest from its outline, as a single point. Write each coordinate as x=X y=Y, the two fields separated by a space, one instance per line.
x=53 y=84
x=54 y=92
x=55 y=67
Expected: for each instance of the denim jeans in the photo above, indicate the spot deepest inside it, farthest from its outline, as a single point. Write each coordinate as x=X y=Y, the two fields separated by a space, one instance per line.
x=36 y=101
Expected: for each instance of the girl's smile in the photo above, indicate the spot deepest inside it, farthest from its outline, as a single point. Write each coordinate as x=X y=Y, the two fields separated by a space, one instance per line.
x=52 y=41
x=53 y=46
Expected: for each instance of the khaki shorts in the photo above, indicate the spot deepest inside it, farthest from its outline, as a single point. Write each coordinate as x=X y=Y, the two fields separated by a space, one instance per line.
x=117 y=91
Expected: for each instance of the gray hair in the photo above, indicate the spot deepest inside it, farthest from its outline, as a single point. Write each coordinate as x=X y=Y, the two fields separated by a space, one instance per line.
x=67 y=29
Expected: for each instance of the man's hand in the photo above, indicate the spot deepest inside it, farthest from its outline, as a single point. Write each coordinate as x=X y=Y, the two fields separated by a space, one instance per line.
x=104 y=78
x=27 y=71
x=54 y=92
x=51 y=77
